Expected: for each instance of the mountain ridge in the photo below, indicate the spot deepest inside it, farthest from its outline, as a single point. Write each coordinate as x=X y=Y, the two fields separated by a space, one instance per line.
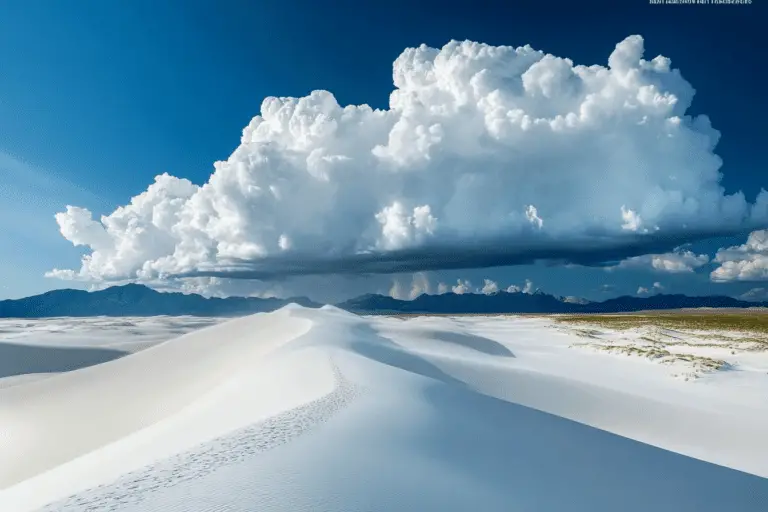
x=139 y=300
x=538 y=302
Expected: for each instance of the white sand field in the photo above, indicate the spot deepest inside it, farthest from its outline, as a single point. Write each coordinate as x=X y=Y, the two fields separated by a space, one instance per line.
x=320 y=410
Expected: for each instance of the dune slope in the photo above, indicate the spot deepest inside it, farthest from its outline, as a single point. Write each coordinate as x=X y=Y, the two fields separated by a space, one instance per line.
x=301 y=410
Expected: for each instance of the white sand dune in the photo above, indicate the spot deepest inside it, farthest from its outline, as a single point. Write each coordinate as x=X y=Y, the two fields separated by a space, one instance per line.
x=35 y=349
x=303 y=410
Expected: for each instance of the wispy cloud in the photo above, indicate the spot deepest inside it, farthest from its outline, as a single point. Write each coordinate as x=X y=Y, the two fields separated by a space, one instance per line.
x=31 y=196
x=755 y=294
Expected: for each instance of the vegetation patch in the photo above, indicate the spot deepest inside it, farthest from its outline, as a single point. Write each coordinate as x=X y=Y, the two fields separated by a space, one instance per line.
x=673 y=338
x=744 y=322
x=698 y=364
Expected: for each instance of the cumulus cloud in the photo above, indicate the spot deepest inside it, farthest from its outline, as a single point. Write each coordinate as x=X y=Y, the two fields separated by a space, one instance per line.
x=487 y=155
x=747 y=262
x=489 y=287
x=526 y=288
x=678 y=261
x=408 y=288
x=461 y=287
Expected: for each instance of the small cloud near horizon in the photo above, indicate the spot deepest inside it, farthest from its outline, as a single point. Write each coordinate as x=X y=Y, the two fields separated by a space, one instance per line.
x=755 y=295
x=656 y=287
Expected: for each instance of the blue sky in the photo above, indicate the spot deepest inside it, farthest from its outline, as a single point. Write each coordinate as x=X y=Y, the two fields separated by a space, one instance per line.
x=97 y=98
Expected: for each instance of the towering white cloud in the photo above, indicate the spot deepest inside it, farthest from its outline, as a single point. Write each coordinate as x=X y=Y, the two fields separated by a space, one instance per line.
x=748 y=262
x=480 y=144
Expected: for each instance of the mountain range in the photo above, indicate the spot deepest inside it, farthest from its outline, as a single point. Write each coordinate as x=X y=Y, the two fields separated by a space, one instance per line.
x=537 y=302
x=139 y=300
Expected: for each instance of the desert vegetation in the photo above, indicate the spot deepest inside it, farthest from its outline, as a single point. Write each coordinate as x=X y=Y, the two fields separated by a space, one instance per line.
x=698 y=341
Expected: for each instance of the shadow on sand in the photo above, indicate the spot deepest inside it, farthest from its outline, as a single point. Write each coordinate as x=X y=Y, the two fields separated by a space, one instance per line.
x=18 y=359
x=532 y=460
x=479 y=343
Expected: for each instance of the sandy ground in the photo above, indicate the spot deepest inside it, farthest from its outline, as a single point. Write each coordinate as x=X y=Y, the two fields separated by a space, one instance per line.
x=301 y=410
